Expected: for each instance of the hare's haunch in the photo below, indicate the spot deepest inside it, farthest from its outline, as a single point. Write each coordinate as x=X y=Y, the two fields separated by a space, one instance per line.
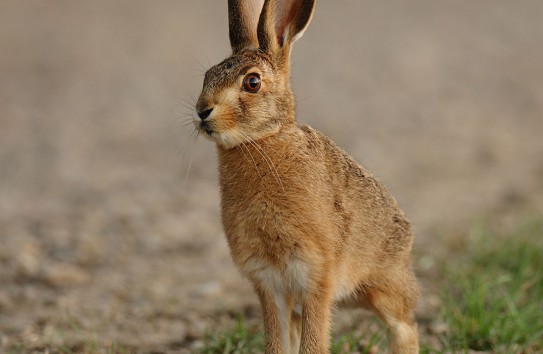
x=306 y=224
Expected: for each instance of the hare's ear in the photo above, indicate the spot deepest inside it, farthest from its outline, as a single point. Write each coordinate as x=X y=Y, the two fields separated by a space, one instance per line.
x=282 y=22
x=243 y=18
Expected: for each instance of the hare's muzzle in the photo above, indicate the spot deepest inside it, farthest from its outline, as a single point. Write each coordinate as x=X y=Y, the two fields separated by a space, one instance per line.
x=202 y=124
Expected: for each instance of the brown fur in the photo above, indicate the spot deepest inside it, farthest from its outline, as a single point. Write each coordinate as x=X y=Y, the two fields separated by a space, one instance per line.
x=306 y=224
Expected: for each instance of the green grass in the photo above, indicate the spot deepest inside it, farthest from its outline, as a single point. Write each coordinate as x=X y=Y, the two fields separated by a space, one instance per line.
x=241 y=339
x=492 y=301
x=365 y=342
x=245 y=339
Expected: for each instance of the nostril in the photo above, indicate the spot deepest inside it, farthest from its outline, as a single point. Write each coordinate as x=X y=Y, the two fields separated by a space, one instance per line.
x=204 y=114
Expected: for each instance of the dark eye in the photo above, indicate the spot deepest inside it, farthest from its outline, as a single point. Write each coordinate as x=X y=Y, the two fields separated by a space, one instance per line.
x=251 y=83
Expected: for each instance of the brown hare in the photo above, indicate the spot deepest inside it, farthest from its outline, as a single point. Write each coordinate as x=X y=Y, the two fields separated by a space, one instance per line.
x=305 y=223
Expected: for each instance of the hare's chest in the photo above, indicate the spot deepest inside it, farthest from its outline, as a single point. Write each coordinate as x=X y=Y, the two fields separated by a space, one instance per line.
x=263 y=228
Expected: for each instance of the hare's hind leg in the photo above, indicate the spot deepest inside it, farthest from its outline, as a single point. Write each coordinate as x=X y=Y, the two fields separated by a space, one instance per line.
x=394 y=303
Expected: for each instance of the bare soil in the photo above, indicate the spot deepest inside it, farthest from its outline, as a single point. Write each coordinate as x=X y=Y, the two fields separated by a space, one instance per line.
x=106 y=238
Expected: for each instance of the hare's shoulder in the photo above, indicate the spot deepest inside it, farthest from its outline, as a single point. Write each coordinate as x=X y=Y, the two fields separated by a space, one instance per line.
x=336 y=159
x=348 y=177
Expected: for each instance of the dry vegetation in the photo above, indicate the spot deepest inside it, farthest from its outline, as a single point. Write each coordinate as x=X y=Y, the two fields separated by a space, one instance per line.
x=107 y=246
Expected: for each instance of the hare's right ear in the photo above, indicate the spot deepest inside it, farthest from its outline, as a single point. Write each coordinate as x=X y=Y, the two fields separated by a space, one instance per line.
x=243 y=18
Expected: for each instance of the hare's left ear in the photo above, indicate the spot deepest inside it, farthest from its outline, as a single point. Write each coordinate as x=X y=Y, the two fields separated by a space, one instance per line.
x=243 y=18
x=282 y=22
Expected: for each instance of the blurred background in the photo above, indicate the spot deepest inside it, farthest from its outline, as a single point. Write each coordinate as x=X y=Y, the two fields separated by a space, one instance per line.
x=105 y=232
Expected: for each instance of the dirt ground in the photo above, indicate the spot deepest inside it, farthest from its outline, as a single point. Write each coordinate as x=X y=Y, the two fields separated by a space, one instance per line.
x=105 y=236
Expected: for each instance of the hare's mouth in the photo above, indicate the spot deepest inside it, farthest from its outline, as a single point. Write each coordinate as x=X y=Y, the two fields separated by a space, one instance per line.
x=204 y=126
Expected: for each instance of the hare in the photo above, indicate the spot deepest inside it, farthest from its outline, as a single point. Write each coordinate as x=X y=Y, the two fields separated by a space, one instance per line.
x=306 y=224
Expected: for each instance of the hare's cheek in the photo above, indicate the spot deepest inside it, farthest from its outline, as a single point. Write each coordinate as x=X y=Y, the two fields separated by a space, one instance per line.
x=228 y=96
x=227 y=108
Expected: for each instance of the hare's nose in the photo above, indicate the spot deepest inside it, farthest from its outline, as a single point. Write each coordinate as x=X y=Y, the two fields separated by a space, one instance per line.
x=205 y=113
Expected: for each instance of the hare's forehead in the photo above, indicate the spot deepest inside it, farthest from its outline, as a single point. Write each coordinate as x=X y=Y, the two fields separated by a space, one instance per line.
x=227 y=72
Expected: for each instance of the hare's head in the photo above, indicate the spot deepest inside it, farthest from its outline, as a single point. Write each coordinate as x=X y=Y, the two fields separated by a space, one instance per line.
x=248 y=96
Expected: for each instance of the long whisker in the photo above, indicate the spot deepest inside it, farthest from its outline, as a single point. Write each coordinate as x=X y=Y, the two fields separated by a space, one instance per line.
x=190 y=96
x=191 y=155
x=199 y=63
x=181 y=150
x=188 y=141
x=242 y=145
x=266 y=158
x=188 y=106
x=187 y=123
x=188 y=171
x=199 y=72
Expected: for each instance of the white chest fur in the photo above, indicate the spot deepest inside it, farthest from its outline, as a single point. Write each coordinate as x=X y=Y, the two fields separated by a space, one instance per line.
x=293 y=278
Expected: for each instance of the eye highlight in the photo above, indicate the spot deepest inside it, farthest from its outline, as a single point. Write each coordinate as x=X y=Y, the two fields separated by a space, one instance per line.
x=251 y=83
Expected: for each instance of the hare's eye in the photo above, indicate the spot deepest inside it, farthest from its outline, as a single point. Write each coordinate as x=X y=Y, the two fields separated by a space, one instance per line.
x=251 y=83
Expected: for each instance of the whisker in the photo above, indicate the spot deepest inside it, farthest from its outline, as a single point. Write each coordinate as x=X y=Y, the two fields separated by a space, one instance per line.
x=187 y=114
x=266 y=158
x=184 y=151
x=199 y=63
x=242 y=145
x=187 y=123
x=199 y=71
x=188 y=169
x=201 y=51
x=189 y=94
x=200 y=74
x=191 y=154
x=188 y=106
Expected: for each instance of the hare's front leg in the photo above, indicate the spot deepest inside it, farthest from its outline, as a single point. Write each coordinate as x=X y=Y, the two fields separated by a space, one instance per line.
x=295 y=331
x=316 y=314
x=276 y=312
